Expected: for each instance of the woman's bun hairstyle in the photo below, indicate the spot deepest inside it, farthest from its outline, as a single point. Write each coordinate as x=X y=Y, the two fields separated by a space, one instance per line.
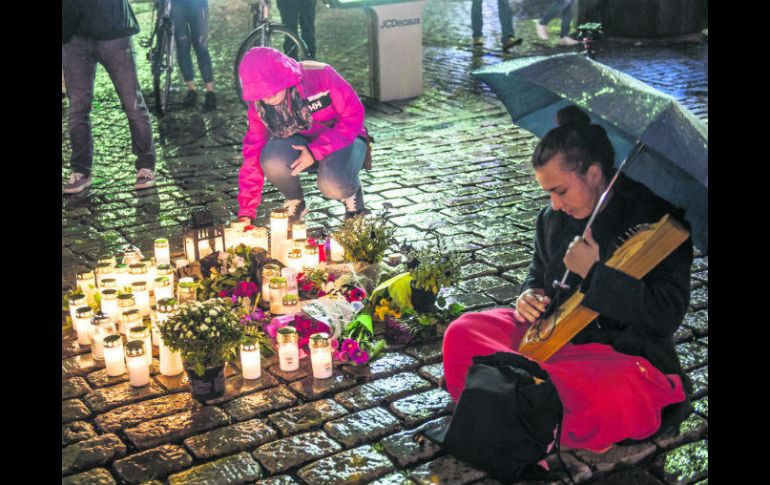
x=572 y=115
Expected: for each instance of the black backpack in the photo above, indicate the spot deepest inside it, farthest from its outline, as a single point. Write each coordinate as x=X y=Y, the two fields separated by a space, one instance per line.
x=505 y=419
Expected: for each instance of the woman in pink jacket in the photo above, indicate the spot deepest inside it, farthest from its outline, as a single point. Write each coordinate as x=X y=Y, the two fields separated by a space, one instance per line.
x=302 y=115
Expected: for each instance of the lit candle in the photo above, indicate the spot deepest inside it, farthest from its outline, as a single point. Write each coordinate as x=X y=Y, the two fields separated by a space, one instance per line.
x=164 y=308
x=288 y=350
x=109 y=304
x=82 y=324
x=129 y=318
x=167 y=271
x=149 y=263
x=142 y=297
x=131 y=256
x=162 y=254
x=269 y=271
x=101 y=326
x=277 y=292
x=136 y=360
x=87 y=283
x=294 y=260
x=140 y=332
x=170 y=361
x=298 y=231
x=108 y=259
x=279 y=229
x=109 y=283
x=321 y=355
x=163 y=288
x=126 y=303
x=75 y=301
x=310 y=259
x=103 y=271
x=137 y=272
x=259 y=234
x=251 y=364
x=290 y=304
x=113 y=355
x=122 y=276
x=337 y=253
x=185 y=292
x=290 y=274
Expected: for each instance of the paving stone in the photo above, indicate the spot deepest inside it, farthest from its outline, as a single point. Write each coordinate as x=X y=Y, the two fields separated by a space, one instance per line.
x=155 y=463
x=76 y=431
x=181 y=382
x=288 y=453
x=306 y=416
x=359 y=465
x=96 y=476
x=578 y=470
x=238 y=386
x=403 y=447
x=100 y=378
x=383 y=390
x=421 y=407
x=686 y=464
x=504 y=294
x=691 y=429
x=692 y=355
x=175 y=427
x=683 y=334
x=432 y=372
x=482 y=283
x=475 y=301
x=235 y=469
x=111 y=397
x=700 y=381
x=428 y=353
x=230 y=439
x=260 y=403
x=280 y=480
x=446 y=470
x=389 y=364
x=70 y=347
x=698 y=322
x=616 y=456
x=702 y=406
x=305 y=369
x=311 y=388
x=133 y=414
x=699 y=298
x=79 y=365
x=505 y=258
x=74 y=387
x=91 y=453
x=73 y=410
x=633 y=476
x=362 y=427
x=476 y=269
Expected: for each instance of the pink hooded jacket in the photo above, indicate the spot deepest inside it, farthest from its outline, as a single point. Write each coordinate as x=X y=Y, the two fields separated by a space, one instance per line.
x=265 y=71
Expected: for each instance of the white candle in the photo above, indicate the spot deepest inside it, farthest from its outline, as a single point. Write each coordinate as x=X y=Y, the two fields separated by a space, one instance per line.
x=163 y=288
x=103 y=271
x=75 y=301
x=167 y=271
x=162 y=254
x=279 y=231
x=269 y=271
x=108 y=259
x=82 y=324
x=87 y=283
x=294 y=260
x=298 y=231
x=185 y=291
x=164 y=308
x=277 y=292
x=109 y=304
x=126 y=303
x=136 y=360
x=321 y=355
x=251 y=364
x=131 y=256
x=288 y=351
x=261 y=239
x=122 y=277
x=137 y=272
x=142 y=333
x=310 y=259
x=149 y=264
x=170 y=361
x=338 y=253
x=290 y=304
x=129 y=319
x=113 y=355
x=141 y=297
x=290 y=275
x=101 y=326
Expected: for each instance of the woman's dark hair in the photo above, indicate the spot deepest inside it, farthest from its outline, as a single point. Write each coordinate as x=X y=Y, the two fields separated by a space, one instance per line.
x=583 y=144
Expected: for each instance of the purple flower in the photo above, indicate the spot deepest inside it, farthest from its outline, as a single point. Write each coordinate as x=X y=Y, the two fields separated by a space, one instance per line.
x=359 y=357
x=349 y=346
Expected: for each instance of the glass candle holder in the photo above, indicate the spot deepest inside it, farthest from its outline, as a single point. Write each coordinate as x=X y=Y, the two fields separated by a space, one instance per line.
x=163 y=288
x=251 y=363
x=149 y=263
x=108 y=259
x=162 y=253
x=102 y=271
x=86 y=281
x=122 y=276
x=290 y=304
x=126 y=302
x=101 y=326
x=310 y=259
x=82 y=324
x=109 y=283
x=269 y=271
x=277 y=292
x=141 y=297
x=129 y=318
x=298 y=231
x=170 y=361
x=113 y=355
x=261 y=239
x=337 y=252
x=279 y=231
x=76 y=301
x=165 y=270
x=294 y=259
x=131 y=256
x=137 y=272
x=136 y=361
x=291 y=280
x=185 y=292
x=321 y=355
x=109 y=304
x=141 y=332
x=287 y=339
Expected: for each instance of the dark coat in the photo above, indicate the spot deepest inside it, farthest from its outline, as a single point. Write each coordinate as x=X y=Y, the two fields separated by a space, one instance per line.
x=98 y=19
x=636 y=317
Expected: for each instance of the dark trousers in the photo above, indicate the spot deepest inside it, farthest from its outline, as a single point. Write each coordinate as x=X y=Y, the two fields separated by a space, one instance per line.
x=191 y=29
x=79 y=58
x=300 y=13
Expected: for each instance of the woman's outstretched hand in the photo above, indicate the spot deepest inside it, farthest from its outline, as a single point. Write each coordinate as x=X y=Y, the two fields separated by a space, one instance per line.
x=582 y=254
x=532 y=303
x=303 y=161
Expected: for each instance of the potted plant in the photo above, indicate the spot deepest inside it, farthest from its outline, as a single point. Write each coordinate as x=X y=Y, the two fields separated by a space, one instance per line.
x=364 y=239
x=207 y=335
x=432 y=268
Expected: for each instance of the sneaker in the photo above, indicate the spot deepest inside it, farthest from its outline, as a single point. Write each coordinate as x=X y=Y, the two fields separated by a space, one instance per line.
x=144 y=179
x=297 y=210
x=542 y=32
x=189 y=99
x=77 y=183
x=210 y=101
x=478 y=40
x=354 y=205
x=568 y=41
x=511 y=42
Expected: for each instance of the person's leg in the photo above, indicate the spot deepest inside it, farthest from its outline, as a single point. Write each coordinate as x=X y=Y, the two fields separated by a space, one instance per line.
x=276 y=159
x=117 y=57
x=506 y=19
x=289 y=17
x=79 y=64
x=338 y=176
x=199 y=34
x=566 y=17
x=179 y=16
x=477 y=22
x=307 y=25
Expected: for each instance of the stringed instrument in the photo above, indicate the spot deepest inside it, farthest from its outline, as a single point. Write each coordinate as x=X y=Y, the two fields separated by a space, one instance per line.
x=637 y=256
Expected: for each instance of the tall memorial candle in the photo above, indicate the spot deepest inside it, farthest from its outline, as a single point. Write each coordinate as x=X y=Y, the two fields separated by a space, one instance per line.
x=162 y=254
x=113 y=355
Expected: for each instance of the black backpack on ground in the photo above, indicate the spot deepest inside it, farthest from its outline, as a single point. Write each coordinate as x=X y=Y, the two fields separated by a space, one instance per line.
x=505 y=419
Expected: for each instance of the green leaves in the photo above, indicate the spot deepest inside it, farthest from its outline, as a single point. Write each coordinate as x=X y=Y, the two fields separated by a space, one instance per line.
x=399 y=290
x=365 y=238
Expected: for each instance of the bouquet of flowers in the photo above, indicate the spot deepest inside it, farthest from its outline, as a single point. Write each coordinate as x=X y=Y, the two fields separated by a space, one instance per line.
x=327 y=280
x=232 y=276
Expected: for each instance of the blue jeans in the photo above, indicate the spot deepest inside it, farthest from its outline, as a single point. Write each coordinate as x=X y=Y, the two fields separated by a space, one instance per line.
x=504 y=12
x=563 y=6
x=300 y=13
x=79 y=58
x=337 y=173
x=191 y=28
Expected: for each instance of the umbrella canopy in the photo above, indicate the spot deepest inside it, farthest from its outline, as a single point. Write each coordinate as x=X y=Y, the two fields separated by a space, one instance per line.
x=674 y=161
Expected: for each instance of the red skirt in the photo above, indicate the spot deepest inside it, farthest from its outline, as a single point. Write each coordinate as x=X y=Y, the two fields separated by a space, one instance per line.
x=607 y=396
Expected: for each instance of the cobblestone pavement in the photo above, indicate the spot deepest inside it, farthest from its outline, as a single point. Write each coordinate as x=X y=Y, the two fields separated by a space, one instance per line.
x=451 y=163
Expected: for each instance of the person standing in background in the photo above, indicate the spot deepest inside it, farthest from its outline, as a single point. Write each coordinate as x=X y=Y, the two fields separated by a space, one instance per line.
x=563 y=7
x=505 y=13
x=191 y=29
x=299 y=16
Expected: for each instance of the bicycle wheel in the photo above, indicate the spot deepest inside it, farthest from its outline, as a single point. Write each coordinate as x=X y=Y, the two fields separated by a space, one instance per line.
x=163 y=67
x=279 y=38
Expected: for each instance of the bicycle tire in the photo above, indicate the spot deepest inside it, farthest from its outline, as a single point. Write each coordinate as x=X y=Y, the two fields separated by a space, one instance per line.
x=279 y=38
x=163 y=67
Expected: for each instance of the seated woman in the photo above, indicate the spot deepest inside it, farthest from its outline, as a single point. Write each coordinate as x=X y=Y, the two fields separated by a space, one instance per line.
x=620 y=373
x=301 y=115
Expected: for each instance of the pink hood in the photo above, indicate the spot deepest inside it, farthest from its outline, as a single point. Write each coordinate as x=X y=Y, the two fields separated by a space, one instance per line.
x=265 y=71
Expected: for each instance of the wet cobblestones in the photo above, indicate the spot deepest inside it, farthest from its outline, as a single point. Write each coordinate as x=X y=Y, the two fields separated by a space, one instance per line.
x=450 y=163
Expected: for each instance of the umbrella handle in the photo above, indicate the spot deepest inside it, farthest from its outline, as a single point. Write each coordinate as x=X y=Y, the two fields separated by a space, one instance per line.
x=562 y=285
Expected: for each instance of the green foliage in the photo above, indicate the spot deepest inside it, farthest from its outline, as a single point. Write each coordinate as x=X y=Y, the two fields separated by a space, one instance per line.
x=365 y=238
x=442 y=315
x=436 y=267
x=397 y=290
x=234 y=267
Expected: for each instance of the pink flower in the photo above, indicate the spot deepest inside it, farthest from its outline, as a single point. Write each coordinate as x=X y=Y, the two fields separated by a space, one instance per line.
x=224 y=293
x=360 y=357
x=331 y=277
x=307 y=286
x=356 y=294
x=246 y=288
x=349 y=346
